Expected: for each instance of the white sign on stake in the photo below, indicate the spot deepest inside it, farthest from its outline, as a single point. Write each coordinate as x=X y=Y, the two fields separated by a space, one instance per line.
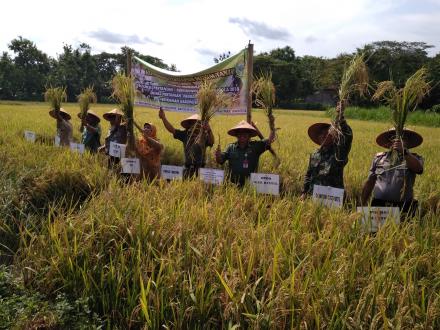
x=212 y=175
x=374 y=217
x=117 y=150
x=30 y=136
x=266 y=183
x=57 y=141
x=77 y=147
x=171 y=172
x=130 y=165
x=328 y=196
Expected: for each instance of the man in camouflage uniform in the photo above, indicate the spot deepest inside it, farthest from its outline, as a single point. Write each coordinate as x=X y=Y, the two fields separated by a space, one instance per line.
x=193 y=151
x=64 y=127
x=326 y=165
x=117 y=133
x=391 y=178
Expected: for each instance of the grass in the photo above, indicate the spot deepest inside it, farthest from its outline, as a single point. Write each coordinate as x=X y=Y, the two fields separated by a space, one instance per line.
x=184 y=255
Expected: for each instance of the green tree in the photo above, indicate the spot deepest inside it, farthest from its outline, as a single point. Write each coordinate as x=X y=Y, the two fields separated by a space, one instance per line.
x=31 y=69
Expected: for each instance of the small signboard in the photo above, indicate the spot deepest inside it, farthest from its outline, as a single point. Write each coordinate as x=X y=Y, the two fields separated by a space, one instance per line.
x=374 y=217
x=130 y=165
x=77 y=147
x=171 y=172
x=57 y=141
x=117 y=150
x=30 y=136
x=212 y=175
x=266 y=183
x=328 y=196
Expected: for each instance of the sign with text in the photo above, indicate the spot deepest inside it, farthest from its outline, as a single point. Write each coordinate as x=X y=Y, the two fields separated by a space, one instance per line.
x=57 y=141
x=117 y=150
x=328 y=196
x=77 y=147
x=171 y=172
x=374 y=217
x=130 y=165
x=212 y=175
x=266 y=183
x=30 y=136
x=174 y=91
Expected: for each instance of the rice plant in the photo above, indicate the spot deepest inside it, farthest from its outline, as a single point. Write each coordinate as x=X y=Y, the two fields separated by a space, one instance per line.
x=86 y=97
x=209 y=101
x=403 y=100
x=124 y=93
x=55 y=96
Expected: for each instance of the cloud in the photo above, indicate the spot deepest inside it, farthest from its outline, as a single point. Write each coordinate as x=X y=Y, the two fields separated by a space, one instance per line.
x=117 y=38
x=207 y=52
x=310 y=39
x=260 y=29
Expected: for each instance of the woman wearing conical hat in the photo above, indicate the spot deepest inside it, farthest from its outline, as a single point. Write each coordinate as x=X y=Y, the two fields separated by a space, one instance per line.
x=243 y=155
x=91 y=131
x=326 y=164
x=64 y=127
x=149 y=149
x=194 y=152
x=393 y=173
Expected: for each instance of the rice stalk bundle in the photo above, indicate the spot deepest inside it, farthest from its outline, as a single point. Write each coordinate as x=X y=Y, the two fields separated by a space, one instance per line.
x=55 y=95
x=264 y=91
x=124 y=94
x=403 y=100
x=209 y=100
x=86 y=97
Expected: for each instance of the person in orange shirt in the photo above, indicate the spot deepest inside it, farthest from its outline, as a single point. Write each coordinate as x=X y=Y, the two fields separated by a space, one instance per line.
x=149 y=150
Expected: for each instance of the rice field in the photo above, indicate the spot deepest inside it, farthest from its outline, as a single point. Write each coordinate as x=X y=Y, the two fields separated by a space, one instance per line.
x=186 y=255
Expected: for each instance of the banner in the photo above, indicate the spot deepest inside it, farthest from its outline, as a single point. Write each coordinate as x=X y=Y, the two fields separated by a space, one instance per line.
x=178 y=92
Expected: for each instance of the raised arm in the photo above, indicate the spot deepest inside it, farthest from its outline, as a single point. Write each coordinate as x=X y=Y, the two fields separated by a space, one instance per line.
x=170 y=128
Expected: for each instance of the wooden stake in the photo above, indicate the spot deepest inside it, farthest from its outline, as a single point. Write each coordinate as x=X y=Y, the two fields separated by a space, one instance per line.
x=250 y=66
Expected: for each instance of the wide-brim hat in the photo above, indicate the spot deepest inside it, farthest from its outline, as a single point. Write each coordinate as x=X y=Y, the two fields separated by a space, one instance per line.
x=91 y=113
x=316 y=130
x=412 y=139
x=188 y=122
x=243 y=126
x=62 y=112
x=114 y=112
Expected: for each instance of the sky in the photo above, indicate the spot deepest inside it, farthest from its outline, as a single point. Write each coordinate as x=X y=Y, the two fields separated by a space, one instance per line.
x=190 y=33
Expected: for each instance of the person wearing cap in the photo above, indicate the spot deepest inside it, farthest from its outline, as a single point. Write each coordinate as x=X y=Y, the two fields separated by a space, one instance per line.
x=391 y=178
x=149 y=150
x=91 y=131
x=194 y=152
x=243 y=155
x=64 y=126
x=326 y=164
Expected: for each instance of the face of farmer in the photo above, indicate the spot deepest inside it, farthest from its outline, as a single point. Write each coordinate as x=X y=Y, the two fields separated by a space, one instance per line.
x=243 y=137
x=115 y=120
x=147 y=130
x=325 y=138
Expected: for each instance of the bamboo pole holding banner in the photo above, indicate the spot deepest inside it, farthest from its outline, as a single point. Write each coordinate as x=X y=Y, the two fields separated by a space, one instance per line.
x=250 y=72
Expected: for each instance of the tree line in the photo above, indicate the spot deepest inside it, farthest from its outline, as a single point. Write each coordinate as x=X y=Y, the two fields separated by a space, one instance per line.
x=25 y=74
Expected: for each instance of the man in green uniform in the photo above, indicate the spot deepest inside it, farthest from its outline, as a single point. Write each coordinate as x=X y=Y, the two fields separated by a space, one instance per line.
x=391 y=179
x=326 y=165
x=243 y=155
x=193 y=150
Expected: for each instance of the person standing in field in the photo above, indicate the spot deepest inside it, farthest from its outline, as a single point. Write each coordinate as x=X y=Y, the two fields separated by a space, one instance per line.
x=243 y=155
x=91 y=131
x=149 y=150
x=64 y=126
x=117 y=133
x=194 y=152
x=393 y=173
x=326 y=164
